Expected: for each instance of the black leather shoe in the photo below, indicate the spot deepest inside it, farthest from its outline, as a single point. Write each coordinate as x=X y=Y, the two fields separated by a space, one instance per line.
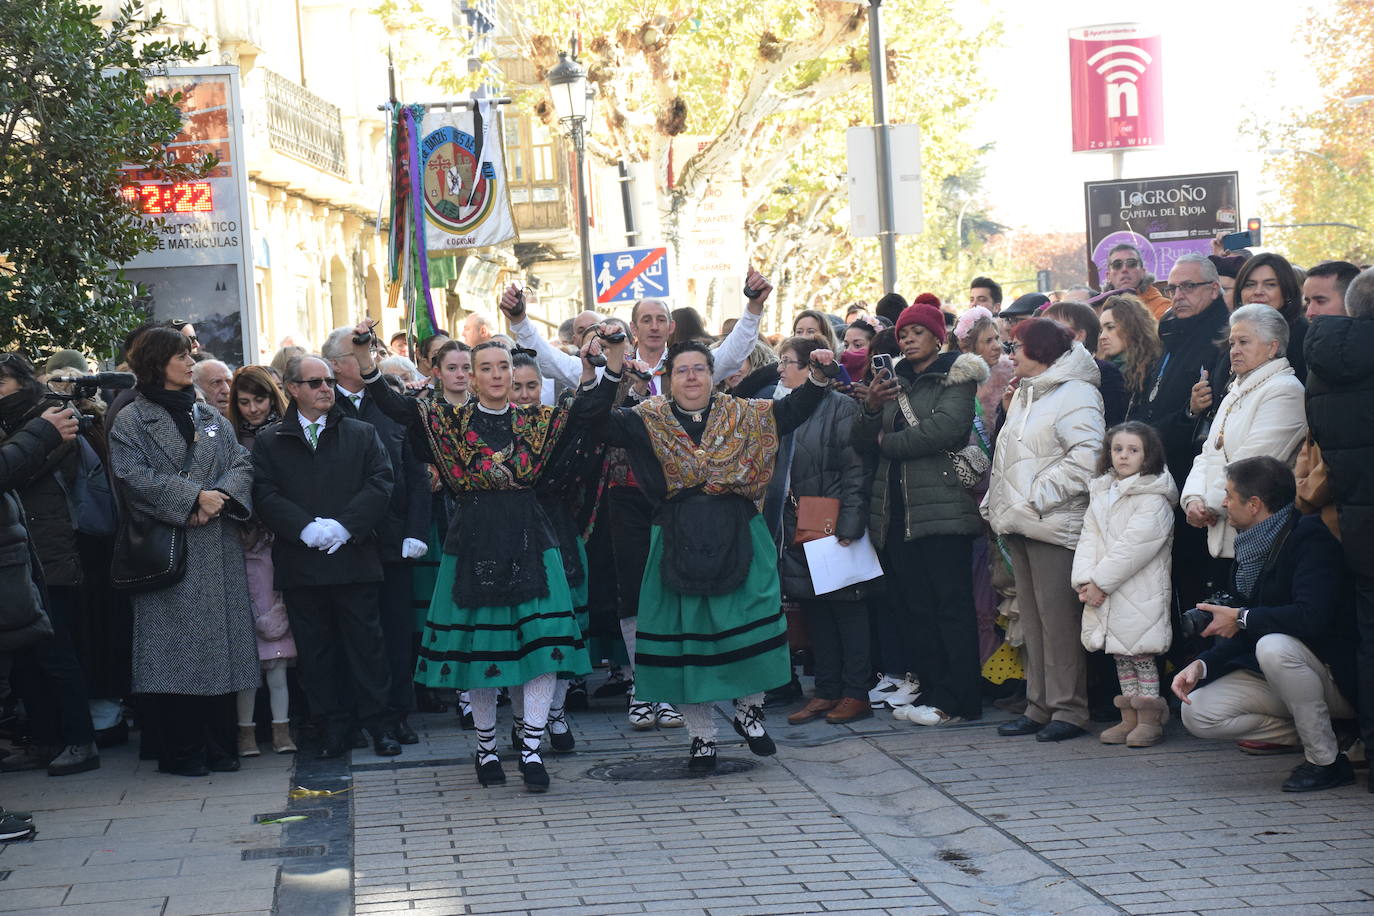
x=333 y=746
x=384 y=743
x=536 y=777
x=785 y=695
x=1059 y=731
x=490 y=773
x=752 y=731
x=405 y=734
x=577 y=694
x=1309 y=777
x=356 y=739
x=1021 y=725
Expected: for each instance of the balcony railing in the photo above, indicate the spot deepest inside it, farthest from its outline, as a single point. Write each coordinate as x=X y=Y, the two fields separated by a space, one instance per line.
x=304 y=125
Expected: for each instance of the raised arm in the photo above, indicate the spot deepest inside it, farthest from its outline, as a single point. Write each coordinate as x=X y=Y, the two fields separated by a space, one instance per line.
x=795 y=409
x=740 y=342
x=563 y=368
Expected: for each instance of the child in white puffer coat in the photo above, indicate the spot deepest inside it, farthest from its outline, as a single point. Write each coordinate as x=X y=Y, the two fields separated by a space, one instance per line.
x=1121 y=570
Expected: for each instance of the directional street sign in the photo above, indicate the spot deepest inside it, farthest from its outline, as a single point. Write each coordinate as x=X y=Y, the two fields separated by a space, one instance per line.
x=634 y=273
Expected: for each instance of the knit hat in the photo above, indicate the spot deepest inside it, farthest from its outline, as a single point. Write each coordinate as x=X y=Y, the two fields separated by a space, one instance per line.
x=928 y=299
x=927 y=316
x=66 y=359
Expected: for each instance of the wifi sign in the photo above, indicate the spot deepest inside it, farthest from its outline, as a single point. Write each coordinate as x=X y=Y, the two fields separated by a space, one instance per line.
x=1116 y=84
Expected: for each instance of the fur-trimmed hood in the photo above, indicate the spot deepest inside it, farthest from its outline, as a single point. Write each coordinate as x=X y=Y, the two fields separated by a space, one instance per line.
x=951 y=368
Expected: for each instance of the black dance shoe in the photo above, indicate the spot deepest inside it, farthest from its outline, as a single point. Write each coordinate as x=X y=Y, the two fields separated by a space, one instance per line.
x=703 y=757
x=748 y=722
x=490 y=773
x=536 y=777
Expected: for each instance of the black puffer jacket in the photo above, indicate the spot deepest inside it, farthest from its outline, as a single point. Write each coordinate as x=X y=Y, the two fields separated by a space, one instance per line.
x=1340 y=413
x=49 y=517
x=22 y=618
x=824 y=463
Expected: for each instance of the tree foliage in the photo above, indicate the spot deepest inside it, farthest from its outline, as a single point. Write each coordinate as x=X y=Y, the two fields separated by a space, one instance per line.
x=1324 y=172
x=770 y=87
x=75 y=107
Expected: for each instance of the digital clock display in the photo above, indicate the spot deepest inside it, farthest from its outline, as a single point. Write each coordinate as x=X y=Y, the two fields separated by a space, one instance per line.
x=166 y=199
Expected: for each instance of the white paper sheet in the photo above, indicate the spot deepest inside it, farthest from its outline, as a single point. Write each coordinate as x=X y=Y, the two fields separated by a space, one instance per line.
x=833 y=567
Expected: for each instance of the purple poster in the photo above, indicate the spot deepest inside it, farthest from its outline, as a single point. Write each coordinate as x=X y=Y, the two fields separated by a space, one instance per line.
x=1164 y=217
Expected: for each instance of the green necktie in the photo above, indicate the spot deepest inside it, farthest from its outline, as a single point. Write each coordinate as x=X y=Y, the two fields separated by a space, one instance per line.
x=357 y=400
x=313 y=431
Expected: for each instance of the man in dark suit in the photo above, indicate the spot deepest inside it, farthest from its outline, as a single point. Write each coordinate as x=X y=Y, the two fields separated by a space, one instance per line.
x=1285 y=665
x=402 y=536
x=322 y=482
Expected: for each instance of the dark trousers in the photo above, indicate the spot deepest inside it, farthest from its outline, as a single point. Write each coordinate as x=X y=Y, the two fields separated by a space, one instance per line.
x=334 y=624
x=839 y=646
x=192 y=729
x=1364 y=615
x=603 y=598
x=398 y=632
x=885 y=641
x=631 y=518
x=930 y=581
x=48 y=677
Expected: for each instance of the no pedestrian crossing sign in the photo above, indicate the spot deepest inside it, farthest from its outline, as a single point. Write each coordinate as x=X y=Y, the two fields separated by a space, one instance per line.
x=630 y=274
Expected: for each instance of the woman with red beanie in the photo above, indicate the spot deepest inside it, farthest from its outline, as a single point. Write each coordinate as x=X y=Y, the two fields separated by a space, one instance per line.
x=921 y=518
x=1046 y=454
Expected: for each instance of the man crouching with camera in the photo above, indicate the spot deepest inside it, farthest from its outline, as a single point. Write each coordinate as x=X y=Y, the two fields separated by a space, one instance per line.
x=1285 y=665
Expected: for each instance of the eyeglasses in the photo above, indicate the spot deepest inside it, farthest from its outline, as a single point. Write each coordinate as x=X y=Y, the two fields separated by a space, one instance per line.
x=686 y=371
x=313 y=382
x=1173 y=289
x=1120 y=263
x=784 y=363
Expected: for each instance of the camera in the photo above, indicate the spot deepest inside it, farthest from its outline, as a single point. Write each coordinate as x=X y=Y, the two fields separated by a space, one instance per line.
x=1195 y=620
x=88 y=386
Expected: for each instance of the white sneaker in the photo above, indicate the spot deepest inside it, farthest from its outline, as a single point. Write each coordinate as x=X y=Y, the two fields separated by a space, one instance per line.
x=877 y=697
x=904 y=694
x=929 y=715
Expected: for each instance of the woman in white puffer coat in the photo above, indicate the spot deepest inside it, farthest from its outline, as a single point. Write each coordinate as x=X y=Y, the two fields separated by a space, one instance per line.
x=1046 y=454
x=1263 y=413
x=1121 y=571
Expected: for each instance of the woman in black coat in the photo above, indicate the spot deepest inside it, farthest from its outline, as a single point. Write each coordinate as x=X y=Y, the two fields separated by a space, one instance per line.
x=49 y=676
x=823 y=463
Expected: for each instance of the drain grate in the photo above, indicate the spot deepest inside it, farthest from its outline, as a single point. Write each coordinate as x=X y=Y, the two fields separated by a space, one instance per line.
x=282 y=852
x=664 y=768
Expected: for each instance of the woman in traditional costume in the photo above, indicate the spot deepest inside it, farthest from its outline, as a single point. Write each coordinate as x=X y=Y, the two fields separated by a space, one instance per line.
x=502 y=614
x=711 y=625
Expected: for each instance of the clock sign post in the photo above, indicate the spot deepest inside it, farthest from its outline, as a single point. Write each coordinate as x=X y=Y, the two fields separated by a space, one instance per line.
x=201 y=270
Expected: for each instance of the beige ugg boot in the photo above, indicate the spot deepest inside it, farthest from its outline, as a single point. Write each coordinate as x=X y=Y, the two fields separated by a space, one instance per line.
x=248 y=741
x=281 y=738
x=1151 y=714
x=1117 y=733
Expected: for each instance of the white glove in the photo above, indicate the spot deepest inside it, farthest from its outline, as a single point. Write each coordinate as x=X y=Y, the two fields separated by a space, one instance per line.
x=313 y=535
x=336 y=535
x=413 y=549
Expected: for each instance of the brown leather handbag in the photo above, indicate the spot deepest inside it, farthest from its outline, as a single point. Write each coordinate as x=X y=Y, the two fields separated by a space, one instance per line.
x=1314 y=486
x=817 y=517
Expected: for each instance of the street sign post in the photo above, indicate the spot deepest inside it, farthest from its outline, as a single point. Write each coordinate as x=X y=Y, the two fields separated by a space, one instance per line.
x=630 y=274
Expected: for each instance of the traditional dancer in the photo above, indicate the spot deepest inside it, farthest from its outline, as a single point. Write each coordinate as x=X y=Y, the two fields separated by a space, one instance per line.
x=501 y=614
x=710 y=620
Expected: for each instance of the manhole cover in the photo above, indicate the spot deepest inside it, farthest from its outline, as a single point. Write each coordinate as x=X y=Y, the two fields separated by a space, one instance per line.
x=674 y=767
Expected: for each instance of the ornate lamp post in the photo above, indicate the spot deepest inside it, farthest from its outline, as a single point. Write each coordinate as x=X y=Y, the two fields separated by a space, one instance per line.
x=572 y=100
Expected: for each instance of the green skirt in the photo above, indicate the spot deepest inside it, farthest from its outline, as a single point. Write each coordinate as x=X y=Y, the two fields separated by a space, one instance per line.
x=699 y=649
x=579 y=594
x=501 y=646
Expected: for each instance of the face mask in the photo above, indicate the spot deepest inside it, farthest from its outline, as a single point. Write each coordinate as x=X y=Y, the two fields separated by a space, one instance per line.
x=855 y=362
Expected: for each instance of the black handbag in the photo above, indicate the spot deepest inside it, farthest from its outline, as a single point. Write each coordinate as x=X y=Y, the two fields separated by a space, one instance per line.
x=149 y=554
x=707 y=549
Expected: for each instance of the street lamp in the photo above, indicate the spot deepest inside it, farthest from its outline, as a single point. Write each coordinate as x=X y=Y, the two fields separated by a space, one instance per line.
x=572 y=100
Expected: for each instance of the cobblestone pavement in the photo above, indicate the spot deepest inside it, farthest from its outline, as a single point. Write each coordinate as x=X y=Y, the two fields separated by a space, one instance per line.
x=875 y=817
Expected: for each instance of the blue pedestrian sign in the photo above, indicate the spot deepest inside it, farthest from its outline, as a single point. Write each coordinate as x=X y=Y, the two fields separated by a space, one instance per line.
x=631 y=274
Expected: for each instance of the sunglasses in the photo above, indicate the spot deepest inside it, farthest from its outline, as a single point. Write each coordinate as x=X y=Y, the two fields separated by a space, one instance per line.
x=313 y=382
x=1119 y=263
